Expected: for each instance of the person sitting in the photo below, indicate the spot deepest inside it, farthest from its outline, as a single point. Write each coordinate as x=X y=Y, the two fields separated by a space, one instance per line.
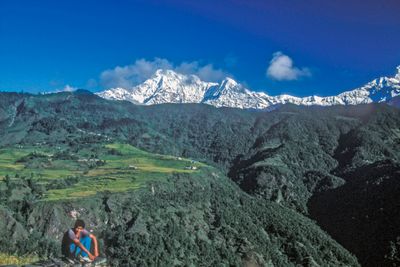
x=78 y=242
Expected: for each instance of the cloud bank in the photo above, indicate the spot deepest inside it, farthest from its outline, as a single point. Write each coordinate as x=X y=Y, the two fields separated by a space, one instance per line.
x=142 y=69
x=281 y=68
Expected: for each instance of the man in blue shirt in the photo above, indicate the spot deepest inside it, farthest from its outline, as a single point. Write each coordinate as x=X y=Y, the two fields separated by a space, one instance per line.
x=78 y=241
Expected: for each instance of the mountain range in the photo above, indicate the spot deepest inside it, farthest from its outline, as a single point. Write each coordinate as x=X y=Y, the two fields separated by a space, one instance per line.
x=271 y=172
x=168 y=86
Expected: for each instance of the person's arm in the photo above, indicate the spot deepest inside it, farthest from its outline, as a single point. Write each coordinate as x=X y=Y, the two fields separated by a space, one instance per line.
x=96 y=247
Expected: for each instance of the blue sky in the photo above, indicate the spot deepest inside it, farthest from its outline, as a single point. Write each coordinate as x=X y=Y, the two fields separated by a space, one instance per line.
x=332 y=45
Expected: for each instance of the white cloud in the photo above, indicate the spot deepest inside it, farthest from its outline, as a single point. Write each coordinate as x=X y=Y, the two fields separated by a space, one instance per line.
x=130 y=75
x=206 y=73
x=68 y=88
x=142 y=69
x=281 y=68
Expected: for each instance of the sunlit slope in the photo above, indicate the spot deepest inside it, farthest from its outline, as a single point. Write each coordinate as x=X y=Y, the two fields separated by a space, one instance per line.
x=112 y=167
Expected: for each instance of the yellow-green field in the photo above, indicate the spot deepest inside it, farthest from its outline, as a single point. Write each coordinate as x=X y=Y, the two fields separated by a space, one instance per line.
x=6 y=259
x=126 y=168
x=9 y=164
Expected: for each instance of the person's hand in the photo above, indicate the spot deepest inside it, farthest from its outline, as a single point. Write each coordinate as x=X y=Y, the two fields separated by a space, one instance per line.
x=96 y=254
x=91 y=257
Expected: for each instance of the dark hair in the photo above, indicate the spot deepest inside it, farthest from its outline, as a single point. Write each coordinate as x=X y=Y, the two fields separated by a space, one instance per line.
x=79 y=223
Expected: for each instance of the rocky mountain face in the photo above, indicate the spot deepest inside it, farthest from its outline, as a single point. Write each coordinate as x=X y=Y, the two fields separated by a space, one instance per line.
x=167 y=86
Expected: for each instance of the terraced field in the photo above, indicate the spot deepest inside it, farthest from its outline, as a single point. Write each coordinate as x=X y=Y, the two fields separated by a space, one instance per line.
x=108 y=167
x=6 y=259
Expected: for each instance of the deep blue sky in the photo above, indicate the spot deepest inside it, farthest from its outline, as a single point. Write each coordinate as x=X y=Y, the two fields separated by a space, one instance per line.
x=45 y=45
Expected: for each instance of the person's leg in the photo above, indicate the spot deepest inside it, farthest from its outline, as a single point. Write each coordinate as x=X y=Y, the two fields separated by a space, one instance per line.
x=86 y=242
x=72 y=249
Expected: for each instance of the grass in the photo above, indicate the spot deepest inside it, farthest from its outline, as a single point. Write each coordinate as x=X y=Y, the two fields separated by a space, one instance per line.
x=6 y=259
x=9 y=164
x=126 y=168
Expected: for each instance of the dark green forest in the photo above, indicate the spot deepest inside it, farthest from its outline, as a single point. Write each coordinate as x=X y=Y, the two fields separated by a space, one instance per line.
x=295 y=186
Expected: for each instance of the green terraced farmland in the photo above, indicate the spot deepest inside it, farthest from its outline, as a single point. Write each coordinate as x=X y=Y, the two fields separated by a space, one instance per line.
x=6 y=259
x=111 y=167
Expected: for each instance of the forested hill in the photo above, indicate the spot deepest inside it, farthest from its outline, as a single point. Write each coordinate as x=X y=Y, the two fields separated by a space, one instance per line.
x=287 y=156
x=215 y=134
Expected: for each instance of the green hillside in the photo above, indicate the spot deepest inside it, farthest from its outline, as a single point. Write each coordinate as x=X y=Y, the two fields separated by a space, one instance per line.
x=162 y=209
x=110 y=167
x=67 y=151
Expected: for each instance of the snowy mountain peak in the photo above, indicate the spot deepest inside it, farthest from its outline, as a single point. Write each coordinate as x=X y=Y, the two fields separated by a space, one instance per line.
x=229 y=83
x=169 y=86
x=163 y=71
x=165 y=75
x=397 y=76
x=164 y=86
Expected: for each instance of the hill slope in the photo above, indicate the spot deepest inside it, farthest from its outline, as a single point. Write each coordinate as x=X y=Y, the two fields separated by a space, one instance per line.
x=287 y=156
x=174 y=217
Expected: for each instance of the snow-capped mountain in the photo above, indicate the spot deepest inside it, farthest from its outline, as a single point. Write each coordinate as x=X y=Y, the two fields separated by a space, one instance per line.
x=167 y=86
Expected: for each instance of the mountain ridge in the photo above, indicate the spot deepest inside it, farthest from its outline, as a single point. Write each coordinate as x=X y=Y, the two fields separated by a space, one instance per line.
x=168 y=86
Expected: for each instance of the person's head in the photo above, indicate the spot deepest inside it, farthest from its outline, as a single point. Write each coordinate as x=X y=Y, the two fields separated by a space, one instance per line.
x=79 y=225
